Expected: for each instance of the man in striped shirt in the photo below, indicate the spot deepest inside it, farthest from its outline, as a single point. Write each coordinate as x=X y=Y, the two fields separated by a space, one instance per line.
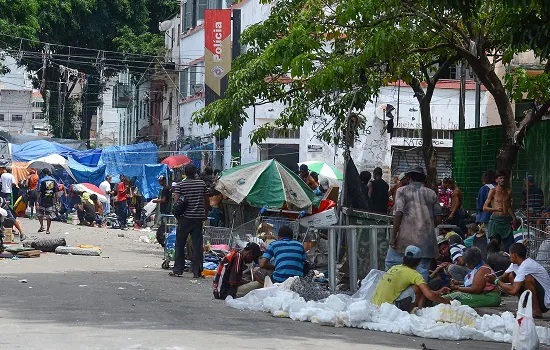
x=288 y=256
x=453 y=247
x=190 y=223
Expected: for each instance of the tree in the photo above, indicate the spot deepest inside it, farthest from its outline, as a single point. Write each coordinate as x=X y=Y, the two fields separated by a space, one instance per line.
x=323 y=59
x=105 y=25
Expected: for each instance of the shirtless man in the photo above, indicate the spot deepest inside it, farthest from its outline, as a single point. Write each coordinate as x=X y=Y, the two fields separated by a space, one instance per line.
x=499 y=202
x=456 y=199
x=308 y=179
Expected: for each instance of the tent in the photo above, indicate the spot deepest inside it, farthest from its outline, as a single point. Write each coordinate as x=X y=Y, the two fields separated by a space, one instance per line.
x=138 y=154
x=89 y=157
x=33 y=150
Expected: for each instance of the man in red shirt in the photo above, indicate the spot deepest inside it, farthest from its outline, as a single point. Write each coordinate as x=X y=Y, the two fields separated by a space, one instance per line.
x=122 y=191
x=32 y=182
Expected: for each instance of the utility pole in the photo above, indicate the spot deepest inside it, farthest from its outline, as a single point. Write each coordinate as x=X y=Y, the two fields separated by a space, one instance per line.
x=462 y=103
x=478 y=103
x=101 y=68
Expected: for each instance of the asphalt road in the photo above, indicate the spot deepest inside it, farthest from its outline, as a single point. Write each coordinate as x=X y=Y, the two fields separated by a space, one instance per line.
x=124 y=300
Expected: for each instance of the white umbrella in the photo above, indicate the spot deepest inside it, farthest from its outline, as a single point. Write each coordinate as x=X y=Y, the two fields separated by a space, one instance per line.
x=51 y=162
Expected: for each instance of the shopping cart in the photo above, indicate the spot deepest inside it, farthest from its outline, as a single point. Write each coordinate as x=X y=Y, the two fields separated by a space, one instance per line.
x=166 y=236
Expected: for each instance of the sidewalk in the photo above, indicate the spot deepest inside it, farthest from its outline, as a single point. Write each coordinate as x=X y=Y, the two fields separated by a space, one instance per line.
x=510 y=303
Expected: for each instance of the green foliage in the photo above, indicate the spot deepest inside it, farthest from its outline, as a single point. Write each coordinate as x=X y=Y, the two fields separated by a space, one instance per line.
x=522 y=86
x=144 y=43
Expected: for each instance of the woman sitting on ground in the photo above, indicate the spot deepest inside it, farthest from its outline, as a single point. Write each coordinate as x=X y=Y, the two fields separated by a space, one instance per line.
x=475 y=291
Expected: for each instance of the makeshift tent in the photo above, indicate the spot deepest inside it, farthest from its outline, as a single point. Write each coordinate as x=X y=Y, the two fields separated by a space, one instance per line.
x=90 y=157
x=20 y=139
x=138 y=154
x=52 y=162
x=33 y=150
x=91 y=174
x=90 y=189
x=20 y=171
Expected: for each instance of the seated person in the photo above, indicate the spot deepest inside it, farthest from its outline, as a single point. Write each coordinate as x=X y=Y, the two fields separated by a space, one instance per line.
x=499 y=261
x=229 y=278
x=476 y=291
x=98 y=209
x=452 y=251
x=525 y=273
x=477 y=238
x=288 y=255
x=86 y=210
x=10 y=221
x=215 y=214
x=403 y=286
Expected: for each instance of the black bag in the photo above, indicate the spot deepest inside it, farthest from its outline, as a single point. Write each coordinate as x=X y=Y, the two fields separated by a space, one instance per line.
x=179 y=207
x=307 y=267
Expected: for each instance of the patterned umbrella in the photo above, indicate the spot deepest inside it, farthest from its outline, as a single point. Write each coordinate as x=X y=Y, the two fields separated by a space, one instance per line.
x=266 y=184
x=176 y=161
x=91 y=189
x=324 y=169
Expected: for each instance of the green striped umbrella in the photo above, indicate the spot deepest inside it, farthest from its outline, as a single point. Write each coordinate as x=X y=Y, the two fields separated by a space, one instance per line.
x=266 y=184
x=324 y=169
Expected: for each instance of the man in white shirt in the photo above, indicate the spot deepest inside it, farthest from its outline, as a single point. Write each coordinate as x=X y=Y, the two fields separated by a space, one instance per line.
x=105 y=186
x=525 y=273
x=7 y=180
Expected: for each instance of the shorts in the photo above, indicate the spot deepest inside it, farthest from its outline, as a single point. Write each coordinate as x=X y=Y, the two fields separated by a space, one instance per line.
x=46 y=212
x=407 y=293
x=32 y=195
x=541 y=293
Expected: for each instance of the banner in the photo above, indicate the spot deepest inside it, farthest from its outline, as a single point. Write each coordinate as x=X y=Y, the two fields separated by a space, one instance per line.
x=217 y=51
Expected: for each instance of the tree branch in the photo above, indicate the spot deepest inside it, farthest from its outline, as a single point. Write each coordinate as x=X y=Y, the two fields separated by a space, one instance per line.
x=430 y=49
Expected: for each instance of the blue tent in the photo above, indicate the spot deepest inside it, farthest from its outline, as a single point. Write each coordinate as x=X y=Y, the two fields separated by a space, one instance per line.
x=89 y=158
x=37 y=149
x=138 y=154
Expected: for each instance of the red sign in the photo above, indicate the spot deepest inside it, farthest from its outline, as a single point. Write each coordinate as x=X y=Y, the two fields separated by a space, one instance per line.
x=217 y=47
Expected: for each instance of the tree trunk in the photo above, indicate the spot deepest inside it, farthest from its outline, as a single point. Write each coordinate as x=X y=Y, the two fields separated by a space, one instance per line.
x=428 y=151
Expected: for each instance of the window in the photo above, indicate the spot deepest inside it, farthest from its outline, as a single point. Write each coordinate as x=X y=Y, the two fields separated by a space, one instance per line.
x=284 y=134
x=193 y=75
x=193 y=11
x=38 y=104
x=1 y=117
x=439 y=134
x=17 y=117
x=201 y=6
x=37 y=115
x=184 y=81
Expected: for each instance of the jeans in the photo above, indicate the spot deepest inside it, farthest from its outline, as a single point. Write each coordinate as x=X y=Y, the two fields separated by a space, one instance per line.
x=395 y=258
x=122 y=214
x=185 y=228
x=458 y=272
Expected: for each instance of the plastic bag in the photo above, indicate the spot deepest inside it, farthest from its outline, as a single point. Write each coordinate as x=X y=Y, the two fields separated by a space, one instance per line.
x=368 y=285
x=525 y=334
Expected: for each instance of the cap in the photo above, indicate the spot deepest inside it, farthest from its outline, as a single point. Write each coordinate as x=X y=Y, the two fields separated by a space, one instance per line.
x=304 y=167
x=255 y=249
x=85 y=195
x=413 y=252
x=401 y=176
x=415 y=169
x=530 y=178
x=450 y=234
x=441 y=239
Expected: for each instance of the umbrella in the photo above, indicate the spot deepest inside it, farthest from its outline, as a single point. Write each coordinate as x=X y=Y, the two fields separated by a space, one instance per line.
x=266 y=184
x=52 y=162
x=91 y=189
x=324 y=169
x=176 y=161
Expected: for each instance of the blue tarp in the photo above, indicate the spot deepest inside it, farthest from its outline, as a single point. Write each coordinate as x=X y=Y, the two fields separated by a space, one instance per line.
x=89 y=158
x=37 y=149
x=90 y=174
x=138 y=154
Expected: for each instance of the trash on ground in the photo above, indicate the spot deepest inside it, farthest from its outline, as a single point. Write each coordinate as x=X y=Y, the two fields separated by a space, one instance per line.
x=78 y=251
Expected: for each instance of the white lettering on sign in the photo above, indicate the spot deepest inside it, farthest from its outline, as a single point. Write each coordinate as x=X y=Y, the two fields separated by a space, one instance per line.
x=418 y=142
x=218 y=30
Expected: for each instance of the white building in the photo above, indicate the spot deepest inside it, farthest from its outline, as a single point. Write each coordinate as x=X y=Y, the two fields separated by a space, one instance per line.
x=375 y=147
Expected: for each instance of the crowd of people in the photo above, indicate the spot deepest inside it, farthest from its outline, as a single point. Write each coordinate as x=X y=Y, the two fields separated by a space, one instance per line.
x=474 y=267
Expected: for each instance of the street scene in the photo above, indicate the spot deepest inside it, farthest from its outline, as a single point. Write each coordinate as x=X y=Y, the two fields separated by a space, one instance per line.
x=185 y=174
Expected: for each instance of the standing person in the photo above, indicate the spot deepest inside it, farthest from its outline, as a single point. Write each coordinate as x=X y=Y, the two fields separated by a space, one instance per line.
x=488 y=180
x=165 y=197
x=195 y=194
x=457 y=198
x=47 y=199
x=535 y=203
x=525 y=273
x=207 y=176
x=378 y=192
x=32 y=182
x=417 y=211
x=123 y=189
x=7 y=180
x=105 y=186
x=499 y=203
x=307 y=178
x=365 y=177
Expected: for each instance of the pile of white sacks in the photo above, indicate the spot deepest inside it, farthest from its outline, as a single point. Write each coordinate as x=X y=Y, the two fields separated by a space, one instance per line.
x=452 y=322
